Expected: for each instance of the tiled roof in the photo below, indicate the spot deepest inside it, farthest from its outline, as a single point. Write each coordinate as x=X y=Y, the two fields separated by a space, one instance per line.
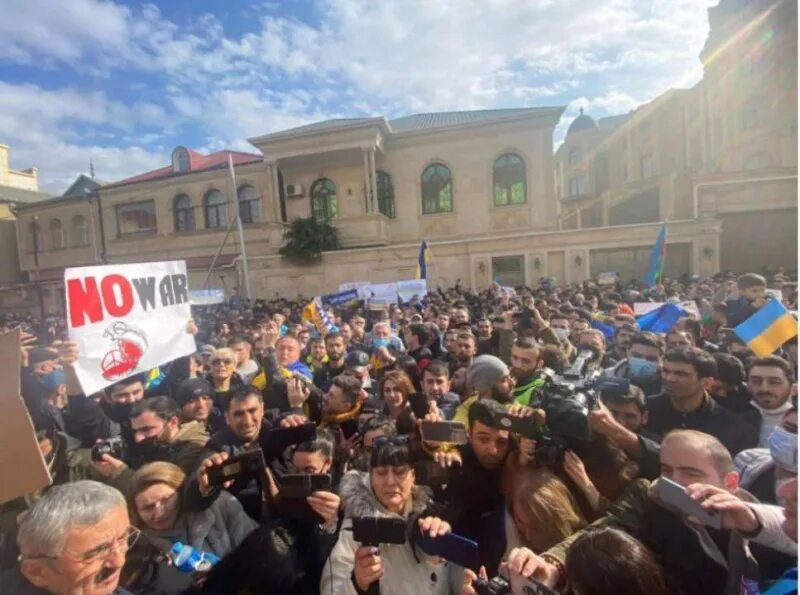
x=441 y=119
x=197 y=163
x=18 y=195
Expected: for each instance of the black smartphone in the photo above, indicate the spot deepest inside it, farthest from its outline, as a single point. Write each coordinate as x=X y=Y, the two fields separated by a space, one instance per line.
x=674 y=494
x=243 y=465
x=276 y=440
x=524 y=426
x=372 y=530
x=301 y=485
x=419 y=404
x=453 y=548
x=528 y=586
x=431 y=473
x=452 y=432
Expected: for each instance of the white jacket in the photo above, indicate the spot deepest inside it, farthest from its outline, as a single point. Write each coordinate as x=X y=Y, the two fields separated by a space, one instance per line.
x=403 y=574
x=772 y=534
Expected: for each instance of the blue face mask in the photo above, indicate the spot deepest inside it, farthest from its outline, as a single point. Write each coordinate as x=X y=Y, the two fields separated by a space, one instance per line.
x=783 y=448
x=379 y=342
x=54 y=379
x=640 y=367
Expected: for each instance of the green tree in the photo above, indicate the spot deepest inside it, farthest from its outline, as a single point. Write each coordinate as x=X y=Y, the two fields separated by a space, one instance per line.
x=305 y=240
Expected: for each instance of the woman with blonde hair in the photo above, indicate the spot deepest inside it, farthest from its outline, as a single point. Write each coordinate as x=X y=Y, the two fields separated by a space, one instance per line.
x=223 y=376
x=541 y=512
x=157 y=508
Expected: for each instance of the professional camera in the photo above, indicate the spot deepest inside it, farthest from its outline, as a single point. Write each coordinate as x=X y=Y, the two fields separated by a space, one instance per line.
x=110 y=446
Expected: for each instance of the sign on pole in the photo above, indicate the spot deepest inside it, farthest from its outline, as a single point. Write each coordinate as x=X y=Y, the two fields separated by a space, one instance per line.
x=127 y=319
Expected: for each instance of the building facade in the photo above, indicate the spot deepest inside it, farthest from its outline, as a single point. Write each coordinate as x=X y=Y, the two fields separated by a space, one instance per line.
x=483 y=188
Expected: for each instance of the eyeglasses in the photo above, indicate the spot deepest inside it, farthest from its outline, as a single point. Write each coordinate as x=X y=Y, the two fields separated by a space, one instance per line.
x=99 y=552
x=221 y=362
x=381 y=441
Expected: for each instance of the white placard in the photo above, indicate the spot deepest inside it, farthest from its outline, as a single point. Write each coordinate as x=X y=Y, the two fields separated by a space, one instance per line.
x=206 y=297
x=382 y=293
x=406 y=290
x=642 y=308
x=127 y=319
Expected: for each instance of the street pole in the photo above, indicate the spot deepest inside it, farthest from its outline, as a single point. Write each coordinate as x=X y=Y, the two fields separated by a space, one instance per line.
x=243 y=252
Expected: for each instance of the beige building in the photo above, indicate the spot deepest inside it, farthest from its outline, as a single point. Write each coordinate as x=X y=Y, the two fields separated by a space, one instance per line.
x=16 y=188
x=723 y=153
x=484 y=188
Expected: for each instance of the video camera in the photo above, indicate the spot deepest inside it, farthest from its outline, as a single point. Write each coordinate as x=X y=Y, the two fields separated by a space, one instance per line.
x=114 y=447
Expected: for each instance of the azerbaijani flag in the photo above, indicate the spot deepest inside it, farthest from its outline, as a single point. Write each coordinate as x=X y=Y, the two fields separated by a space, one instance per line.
x=422 y=260
x=657 y=257
x=769 y=328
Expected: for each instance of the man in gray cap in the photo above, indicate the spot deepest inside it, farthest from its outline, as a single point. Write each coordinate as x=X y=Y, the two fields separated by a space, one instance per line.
x=489 y=378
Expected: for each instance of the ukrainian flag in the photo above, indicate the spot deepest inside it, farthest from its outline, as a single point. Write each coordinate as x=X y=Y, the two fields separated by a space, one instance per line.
x=422 y=260
x=768 y=329
x=315 y=314
x=657 y=257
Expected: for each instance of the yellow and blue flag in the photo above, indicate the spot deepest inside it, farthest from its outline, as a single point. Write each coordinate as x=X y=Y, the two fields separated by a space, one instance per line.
x=769 y=328
x=316 y=314
x=422 y=260
x=657 y=257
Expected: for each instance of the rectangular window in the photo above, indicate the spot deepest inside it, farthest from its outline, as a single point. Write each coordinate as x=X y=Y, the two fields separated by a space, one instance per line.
x=577 y=186
x=647 y=167
x=508 y=270
x=136 y=218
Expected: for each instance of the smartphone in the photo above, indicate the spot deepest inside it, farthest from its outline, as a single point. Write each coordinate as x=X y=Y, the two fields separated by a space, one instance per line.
x=431 y=473
x=419 y=404
x=452 y=432
x=372 y=530
x=276 y=440
x=453 y=548
x=675 y=494
x=524 y=426
x=300 y=485
x=246 y=464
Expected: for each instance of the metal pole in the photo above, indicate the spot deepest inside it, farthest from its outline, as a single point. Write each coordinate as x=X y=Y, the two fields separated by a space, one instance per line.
x=242 y=250
x=219 y=251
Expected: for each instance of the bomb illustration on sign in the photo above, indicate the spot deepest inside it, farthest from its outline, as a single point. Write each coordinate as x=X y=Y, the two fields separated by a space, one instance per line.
x=128 y=345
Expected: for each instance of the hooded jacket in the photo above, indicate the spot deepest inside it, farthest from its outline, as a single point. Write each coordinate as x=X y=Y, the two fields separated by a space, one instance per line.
x=407 y=571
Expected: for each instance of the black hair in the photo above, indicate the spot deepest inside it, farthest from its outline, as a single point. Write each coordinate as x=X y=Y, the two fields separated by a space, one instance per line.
x=240 y=393
x=749 y=280
x=421 y=332
x=526 y=343
x=350 y=386
x=390 y=451
x=649 y=340
x=558 y=314
x=334 y=335
x=126 y=382
x=164 y=407
x=322 y=444
x=584 y=314
x=700 y=360
x=378 y=422
x=729 y=369
x=553 y=358
x=772 y=361
x=437 y=368
x=484 y=411
x=634 y=395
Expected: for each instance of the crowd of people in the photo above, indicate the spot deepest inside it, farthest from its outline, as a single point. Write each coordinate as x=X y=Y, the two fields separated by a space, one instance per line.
x=462 y=443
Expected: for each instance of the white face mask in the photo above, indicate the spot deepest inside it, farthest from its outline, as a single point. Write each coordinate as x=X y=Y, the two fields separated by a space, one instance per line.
x=561 y=333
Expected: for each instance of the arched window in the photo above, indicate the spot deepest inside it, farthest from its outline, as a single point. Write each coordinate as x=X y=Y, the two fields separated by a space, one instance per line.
x=56 y=234
x=184 y=213
x=574 y=156
x=180 y=160
x=577 y=185
x=323 y=199
x=753 y=113
x=437 y=189
x=383 y=181
x=35 y=240
x=79 y=236
x=509 y=180
x=215 y=211
x=249 y=204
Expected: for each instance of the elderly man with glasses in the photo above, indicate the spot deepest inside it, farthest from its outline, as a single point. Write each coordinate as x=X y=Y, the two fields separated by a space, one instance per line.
x=73 y=540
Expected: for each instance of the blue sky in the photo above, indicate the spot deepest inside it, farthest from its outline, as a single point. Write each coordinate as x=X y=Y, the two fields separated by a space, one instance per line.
x=122 y=83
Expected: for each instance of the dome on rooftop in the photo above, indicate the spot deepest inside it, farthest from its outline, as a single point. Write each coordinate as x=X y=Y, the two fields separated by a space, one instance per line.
x=581 y=123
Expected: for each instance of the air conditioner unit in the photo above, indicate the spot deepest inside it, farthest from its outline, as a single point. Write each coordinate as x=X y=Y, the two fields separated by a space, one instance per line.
x=294 y=190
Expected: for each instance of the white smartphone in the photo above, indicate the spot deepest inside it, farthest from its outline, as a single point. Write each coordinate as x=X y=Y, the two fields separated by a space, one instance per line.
x=675 y=494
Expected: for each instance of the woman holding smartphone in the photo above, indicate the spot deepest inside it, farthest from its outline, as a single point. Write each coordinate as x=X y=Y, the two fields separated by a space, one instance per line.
x=388 y=490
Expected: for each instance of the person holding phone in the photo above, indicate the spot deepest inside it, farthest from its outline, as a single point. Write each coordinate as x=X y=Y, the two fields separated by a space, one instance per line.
x=388 y=490
x=156 y=506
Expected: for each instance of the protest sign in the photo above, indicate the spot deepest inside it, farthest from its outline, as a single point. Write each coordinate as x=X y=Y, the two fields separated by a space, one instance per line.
x=206 y=297
x=382 y=293
x=407 y=290
x=608 y=278
x=642 y=308
x=21 y=464
x=359 y=286
x=127 y=319
x=343 y=297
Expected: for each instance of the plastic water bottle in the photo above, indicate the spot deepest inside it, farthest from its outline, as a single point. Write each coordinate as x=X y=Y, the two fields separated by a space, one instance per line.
x=188 y=559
